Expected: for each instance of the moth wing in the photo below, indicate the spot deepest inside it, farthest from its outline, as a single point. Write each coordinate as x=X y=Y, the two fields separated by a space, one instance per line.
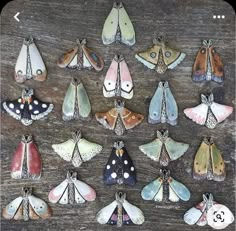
x=104 y=214
x=109 y=85
x=193 y=215
x=203 y=219
x=83 y=102
x=126 y=27
x=155 y=106
x=13 y=108
x=11 y=210
x=153 y=191
x=200 y=65
x=40 y=207
x=175 y=149
x=130 y=119
x=197 y=114
x=127 y=91
x=134 y=213
x=216 y=65
x=171 y=107
x=65 y=150
x=110 y=27
x=172 y=195
x=107 y=119
x=221 y=112
x=59 y=193
x=68 y=107
x=201 y=161
x=152 y=149
x=21 y=63
x=149 y=57
x=69 y=58
x=218 y=165
x=179 y=189
x=88 y=149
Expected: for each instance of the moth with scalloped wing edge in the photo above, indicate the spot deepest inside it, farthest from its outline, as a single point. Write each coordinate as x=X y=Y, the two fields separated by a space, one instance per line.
x=119 y=118
x=120 y=212
x=72 y=191
x=81 y=57
x=163 y=148
x=27 y=108
x=27 y=207
x=163 y=107
x=26 y=162
x=118 y=81
x=208 y=113
x=29 y=64
x=118 y=27
x=208 y=65
x=165 y=188
x=160 y=56
x=77 y=149
x=119 y=168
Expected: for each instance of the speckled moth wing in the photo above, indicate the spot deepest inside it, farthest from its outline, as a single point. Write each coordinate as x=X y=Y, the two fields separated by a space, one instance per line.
x=126 y=27
x=221 y=112
x=110 y=26
x=104 y=215
x=13 y=210
x=152 y=149
x=107 y=119
x=69 y=59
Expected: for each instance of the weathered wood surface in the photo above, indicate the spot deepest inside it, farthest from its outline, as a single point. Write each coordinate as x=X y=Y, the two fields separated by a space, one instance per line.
x=55 y=25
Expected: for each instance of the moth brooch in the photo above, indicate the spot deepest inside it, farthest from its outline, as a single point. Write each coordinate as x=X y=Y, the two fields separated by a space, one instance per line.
x=119 y=168
x=81 y=57
x=208 y=113
x=208 y=65
x=163 y=107
x=160 y=56
x=27 y=108
x=76 y=104
x=118 y=27
x=164 y=149
x=165 y=188
x=26 y=162
x=119 y=118
x=27 y=207
x=208 y=162
x=120 y=212
x=118 y=81
x=77 y=149
x=29 y=64
x=71 y=191
x=209 y=212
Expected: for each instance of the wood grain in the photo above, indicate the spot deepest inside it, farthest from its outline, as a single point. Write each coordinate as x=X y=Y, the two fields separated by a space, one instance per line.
x=55 y=25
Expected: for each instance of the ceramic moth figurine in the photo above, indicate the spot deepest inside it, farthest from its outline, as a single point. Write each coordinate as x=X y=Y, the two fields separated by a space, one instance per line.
x=81 y=57
x=119 y=168
x=29 y=64
x=76 y=104
x=118 y=27
x=165 y=188
x=26 y=162
x=119 y=118
x=160 y=56
x=207 y=212
x=27 y=207
x=208 y=113
x=208 y=65
x=77 y=149
x=72 y=191
x=163 y=107
x=118 y=81
x=120 y=212
x=208 y=162
x=27 y=108
x=164 y=149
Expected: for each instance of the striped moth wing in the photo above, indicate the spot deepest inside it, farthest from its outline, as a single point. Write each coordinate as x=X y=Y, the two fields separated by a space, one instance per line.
x=29 y=64
x=76 y=104
x=27 y=108
x=26 y=162
x=119 y=168
x=208 y=65
x=72 y=191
